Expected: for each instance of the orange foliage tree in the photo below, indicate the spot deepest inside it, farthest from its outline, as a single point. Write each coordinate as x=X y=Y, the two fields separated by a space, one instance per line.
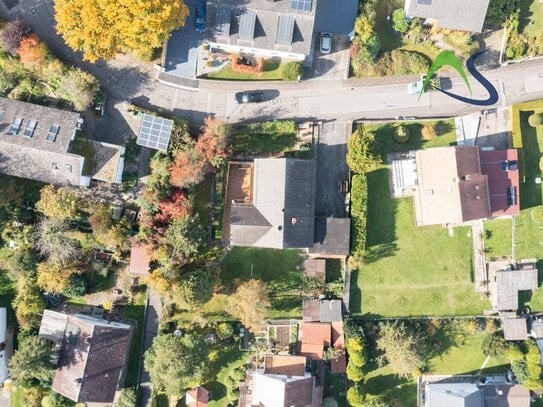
x=32 y=51
x=211 y=144
x=186 y=169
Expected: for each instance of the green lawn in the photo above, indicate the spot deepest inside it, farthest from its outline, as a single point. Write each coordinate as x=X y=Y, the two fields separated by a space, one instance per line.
x=202 y=200
x=280 y=269
x=411 y=270
x=531 y=17
x=135 y=311
x=498 y=238
x=390 y=40
x=263 y=139
x=272 y=71
x=229 y=360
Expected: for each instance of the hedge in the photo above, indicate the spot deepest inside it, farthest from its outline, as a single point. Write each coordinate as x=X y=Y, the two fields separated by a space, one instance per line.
x=359 y=203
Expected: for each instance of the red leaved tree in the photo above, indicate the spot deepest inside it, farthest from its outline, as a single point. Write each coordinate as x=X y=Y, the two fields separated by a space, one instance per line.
x=32 y=51
x=13 y=33
x=175 y=206
x=211 y=144
x=187 y=168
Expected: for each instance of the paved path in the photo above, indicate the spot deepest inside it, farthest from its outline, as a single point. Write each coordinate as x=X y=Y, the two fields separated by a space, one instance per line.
x=479 y=266
x=483 y=366
x=151 y=329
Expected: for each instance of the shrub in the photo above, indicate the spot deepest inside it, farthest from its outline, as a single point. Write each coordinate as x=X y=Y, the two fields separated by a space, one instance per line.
x=79 y=88
x=359 y=202
x=400 y=62
x=361 y=154
x=224 y=330
x=490 y=326
x=355 y=396
x=13 y=33
x=520 y=370
x=292 y=70
x=399 y=22
x=57 y=400
x=401 y=134
x=355 y=373
x=77 y=286
x=242 y=68
x=128 y=398
x=32 y=51
x=428 y=132
x=144 y=55
x=535 y=119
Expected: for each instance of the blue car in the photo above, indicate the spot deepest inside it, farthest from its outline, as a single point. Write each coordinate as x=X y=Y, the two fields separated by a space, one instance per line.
x=201 y=17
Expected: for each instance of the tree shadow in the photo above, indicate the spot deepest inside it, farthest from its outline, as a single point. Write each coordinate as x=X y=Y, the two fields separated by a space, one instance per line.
x=529 y=190
x=381 y=218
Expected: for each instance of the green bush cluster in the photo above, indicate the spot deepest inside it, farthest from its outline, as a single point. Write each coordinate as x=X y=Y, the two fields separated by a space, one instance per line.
x=356 y=351
x=401 y=134
x=399 y=22
x=359 y=203
x=292 y=71
x=399 y=62
x=232 y=384
x=535 y=119
x=533 y=367
x=366 y=44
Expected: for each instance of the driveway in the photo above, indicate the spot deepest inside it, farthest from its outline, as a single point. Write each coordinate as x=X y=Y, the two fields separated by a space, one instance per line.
x=331 y=168
x=333 y=65
x=182 y=50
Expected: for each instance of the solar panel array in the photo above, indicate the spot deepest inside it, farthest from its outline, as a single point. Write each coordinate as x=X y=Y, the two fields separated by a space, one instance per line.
x=302 y=5
x=285 y=29
x=155 y=132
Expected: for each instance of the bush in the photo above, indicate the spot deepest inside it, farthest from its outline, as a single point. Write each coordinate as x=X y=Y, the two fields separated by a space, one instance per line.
x=499 y=10
x=57 y=400
x=13 y=33
x=400 y=62
x=292 y=71
x=77 y=286
x=428 y=132
x=361 y=154
x=242 y=68
x=144 y=55
x=535 y=119
x=359 y=202
x=401 y=134
x=79 y=88
x=399 y=22
x=520 y=370
x=355 y=373
x=224 y=330
x=128 y=398
x=355 y=396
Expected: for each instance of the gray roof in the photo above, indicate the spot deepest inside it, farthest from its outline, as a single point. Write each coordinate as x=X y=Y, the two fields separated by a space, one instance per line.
x=92 y=358
x=464 y=15
x=331 y=311
x=515 y=329
x=336 y=17
x=332 y=236
x=509 y=283
x=21 y=154
x=453 y=395
x=506 y=395
x=52 y=326
x=261 y=24
x=281 y=214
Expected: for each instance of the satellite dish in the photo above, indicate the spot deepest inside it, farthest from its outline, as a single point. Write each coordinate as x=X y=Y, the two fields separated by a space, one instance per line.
x=178 y=333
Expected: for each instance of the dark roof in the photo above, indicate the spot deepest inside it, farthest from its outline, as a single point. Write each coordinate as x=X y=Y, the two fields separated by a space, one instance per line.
x=332 y=236
x=262 y=24
x=281 y=214
x=91 y=359
x=300 y=392
x=501 y=168
x=464 y=15
x=506 y=395
x=336 y=17
x=22 y=155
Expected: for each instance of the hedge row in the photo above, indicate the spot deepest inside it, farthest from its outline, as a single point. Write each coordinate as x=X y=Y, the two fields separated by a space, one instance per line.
x=359 y=203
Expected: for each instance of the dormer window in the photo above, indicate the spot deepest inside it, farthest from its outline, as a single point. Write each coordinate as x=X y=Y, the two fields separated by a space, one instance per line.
x=52 y=133
x=30 y=127
x=15 y=126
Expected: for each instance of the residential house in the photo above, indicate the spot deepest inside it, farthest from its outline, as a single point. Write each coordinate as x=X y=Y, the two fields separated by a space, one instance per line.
x=454 y=185
x=282 y=29
x=197 y=397
x=463 y=15
x=41 y=143
x=92 y=355
x=453 y=394
x=270 y=202
x=283 y=381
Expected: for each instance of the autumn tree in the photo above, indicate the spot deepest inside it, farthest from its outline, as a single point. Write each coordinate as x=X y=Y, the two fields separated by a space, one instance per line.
x=159 y=281
x=53 y=242
x=58 y=203
x=113 y=27
x=187 y=169
x=78 y=87
x=361 y=155
x=211 y=144
x=54 y=277
x=184 y=238
x=28 y=303
x=13 y=33
x=400 y=349
x=176 y=363
x=194 y=290
x=12 y=193
x=175 y=206
x=250 y=304
x=31 y=364
x=32 y=51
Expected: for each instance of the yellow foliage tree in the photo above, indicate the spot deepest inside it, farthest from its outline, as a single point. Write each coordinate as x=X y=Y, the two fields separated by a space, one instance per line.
x=103 y=28
x=157 y=281
x=250 y=303
x=53 y=277
x=58 y=203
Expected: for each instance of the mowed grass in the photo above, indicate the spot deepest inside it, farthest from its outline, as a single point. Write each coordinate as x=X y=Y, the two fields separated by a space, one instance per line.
x=262 y=139
x=272 y=71
x=411 y=270
x=497 y=236
x=135 y=311
x=279 y=269
x=229 y=360
x=531 y=17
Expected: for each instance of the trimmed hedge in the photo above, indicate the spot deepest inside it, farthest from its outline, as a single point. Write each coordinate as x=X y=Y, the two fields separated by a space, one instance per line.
x=359 y=203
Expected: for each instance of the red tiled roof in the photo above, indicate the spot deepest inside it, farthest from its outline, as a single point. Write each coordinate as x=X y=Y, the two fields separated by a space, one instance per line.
x=139 y=260
x=317 y=333
x=338 y=338
x=197 y=397
x=338 y=365
x=499 y=181
x=284 y=365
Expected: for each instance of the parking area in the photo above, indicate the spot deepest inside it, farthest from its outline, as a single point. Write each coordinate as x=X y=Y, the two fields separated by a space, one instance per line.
x=333 y=65
x=331 y=170
x=182 y=50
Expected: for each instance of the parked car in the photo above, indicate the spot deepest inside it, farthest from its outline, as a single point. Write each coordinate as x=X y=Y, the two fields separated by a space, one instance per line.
x=253 y=96
x=201 y=17
x=326 y=43
x=414 y=88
